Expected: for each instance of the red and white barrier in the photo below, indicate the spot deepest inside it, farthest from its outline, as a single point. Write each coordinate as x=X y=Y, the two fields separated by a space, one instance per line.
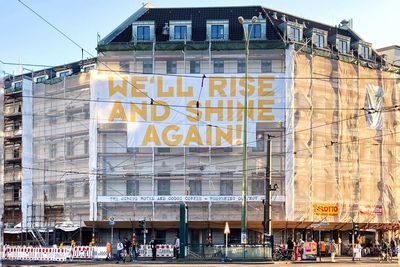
x=163 y=250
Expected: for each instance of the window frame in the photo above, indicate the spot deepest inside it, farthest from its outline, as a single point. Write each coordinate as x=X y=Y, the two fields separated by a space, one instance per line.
x=220 y=68
x=218 y=25
x=225 y=186
x=193 y=66
x=266 y=65
x=143 y=33
x=147 y=66
x=172 y=67
x=197 y=187
x=166 y=183
x=241 y=65
x=132 y=187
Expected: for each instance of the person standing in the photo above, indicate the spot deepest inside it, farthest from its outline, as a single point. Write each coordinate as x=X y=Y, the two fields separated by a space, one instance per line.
x=333 y=250
x=120 y=248
x=127 y=248
x=357 y=251
x=109 y=251
x=134 y=248
x=153 y=247
x=290 y=247
x=176 y=247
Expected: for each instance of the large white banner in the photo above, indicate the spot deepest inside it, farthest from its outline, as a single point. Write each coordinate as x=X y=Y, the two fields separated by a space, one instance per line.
x=162 y=110
x=137 y=199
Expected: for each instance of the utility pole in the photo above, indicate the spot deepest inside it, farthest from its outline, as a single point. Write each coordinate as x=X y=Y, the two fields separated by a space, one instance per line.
x=268 y=240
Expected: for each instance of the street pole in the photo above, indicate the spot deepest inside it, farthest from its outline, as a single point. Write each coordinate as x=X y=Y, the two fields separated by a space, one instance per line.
x=247 y=35
x=268 y=189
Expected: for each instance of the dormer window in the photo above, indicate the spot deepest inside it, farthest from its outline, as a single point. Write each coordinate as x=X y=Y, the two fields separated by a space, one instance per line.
x=41 y=79
x=363 y=48
x=295 y=34
x=318 y=37
x=293 y=30
x=341 y=42
x=64 y=73
x=256 y=30
x=143 y=31
x=217 y=29
x=343 y=46
x=180 y=30
x=364 y=51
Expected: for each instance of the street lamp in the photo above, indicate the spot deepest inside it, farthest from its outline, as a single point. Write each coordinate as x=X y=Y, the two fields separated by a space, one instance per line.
x=247 y=35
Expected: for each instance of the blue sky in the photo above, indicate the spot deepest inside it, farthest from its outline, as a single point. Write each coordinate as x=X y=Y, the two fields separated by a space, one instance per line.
x=25 y=38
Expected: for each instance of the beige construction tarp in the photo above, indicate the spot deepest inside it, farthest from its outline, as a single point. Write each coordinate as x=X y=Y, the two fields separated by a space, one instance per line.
x=345 y=143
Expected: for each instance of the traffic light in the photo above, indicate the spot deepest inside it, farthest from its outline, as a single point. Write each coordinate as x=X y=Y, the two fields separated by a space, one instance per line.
x=142 y=223
x=356 y=228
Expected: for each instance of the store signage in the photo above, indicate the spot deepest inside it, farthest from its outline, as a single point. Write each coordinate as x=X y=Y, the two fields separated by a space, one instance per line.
x=326 y=209
x=111 y=199
x=176 y=111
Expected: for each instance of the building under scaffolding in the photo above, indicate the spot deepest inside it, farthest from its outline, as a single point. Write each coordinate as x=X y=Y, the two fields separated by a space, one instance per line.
x=159 y=122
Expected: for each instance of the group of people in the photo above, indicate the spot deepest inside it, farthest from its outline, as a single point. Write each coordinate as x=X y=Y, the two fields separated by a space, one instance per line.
x=387 y=250
x=126 y=250
x=129 y=250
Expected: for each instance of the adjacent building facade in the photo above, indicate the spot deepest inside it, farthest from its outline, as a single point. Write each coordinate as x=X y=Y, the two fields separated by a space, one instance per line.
x=159 y=121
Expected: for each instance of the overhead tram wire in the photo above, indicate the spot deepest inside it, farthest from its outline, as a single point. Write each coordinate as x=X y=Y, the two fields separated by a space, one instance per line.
x=276 y=136
x=294 y=152
x=110 y=69
x=203 y=76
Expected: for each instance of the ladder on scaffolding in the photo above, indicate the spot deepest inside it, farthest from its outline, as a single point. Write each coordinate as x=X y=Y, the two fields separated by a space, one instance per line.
x=38 y=237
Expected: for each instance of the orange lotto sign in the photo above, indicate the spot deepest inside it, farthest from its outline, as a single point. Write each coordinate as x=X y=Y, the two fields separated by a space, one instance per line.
x=326 y=209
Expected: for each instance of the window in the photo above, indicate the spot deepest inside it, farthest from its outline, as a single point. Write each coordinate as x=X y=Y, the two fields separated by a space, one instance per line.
x=63 y=74
x=255 y=30
x=266 y=66
x=88 y=68
x=320 y=40
x=218 y=66
x=163 y=187
x=217 y=32
x=163 y=149
x=342 y=46
x=241 y=66
x=147 y=66
x=86 y=189
x=195 y=187
x=226 y=187
x=257 y=187
x=143 y=33
x=260 y=143
x=16 y=194
x=40 y=79
x=86 y=147
x=132 y=188
x=171 y=67
x=52 y=191
x=18 y=85
x=295 y=34
x=52 y=119
x=180 y=32
x=194 y=66
x=53 y=151
x=364 y=51
x=70 y=189
x=70 y=148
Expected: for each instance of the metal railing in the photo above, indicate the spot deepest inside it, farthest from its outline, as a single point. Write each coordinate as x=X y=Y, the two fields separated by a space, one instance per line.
x=234 y=252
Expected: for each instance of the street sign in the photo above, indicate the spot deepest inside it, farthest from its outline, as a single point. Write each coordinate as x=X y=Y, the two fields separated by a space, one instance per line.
x=226 y=230
x=111 y=221
x=314 y=225
x=323 y=223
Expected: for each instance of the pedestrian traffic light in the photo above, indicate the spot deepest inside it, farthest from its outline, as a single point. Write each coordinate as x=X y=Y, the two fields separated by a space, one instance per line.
x=142 y=223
